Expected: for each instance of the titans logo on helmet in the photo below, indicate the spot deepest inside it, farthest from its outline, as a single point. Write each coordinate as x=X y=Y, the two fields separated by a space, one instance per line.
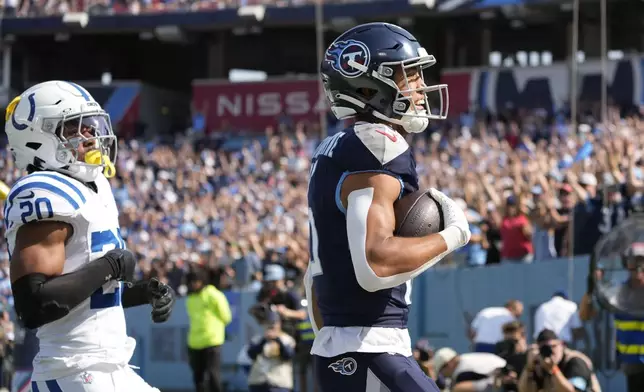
x=341 y=53
x=344 y=366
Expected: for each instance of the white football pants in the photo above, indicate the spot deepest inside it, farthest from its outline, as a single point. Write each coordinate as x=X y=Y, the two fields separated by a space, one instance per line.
x=124 y=379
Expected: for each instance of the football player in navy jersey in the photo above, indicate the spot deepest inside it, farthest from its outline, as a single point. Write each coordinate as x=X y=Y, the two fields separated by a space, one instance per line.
x=359 y=278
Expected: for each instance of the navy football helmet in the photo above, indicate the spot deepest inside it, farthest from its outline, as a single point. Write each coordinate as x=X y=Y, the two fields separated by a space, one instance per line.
x=367 y=70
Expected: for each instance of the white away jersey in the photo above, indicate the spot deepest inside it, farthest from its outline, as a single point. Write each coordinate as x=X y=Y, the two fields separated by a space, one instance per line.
x=93 y=332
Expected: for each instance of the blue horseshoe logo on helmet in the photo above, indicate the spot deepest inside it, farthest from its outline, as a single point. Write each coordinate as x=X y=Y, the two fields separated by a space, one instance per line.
x=30 y=117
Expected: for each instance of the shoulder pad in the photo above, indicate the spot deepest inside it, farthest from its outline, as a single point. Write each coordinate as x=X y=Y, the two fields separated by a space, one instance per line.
x=42 y=196
x=384 y=143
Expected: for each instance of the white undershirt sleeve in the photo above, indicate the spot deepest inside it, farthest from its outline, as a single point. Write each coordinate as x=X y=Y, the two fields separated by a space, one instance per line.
x=358 y=205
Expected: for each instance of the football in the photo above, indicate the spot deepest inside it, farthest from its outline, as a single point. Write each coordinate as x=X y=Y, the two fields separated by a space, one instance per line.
x=418 y=215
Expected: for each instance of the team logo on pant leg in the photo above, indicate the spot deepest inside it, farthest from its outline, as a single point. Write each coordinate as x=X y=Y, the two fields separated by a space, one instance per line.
x=86 y=378
x=344 y=366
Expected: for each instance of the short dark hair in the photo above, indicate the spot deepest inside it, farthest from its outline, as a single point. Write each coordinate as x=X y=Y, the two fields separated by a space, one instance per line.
x=512 y=327
x=197 y=274
x=546 y=335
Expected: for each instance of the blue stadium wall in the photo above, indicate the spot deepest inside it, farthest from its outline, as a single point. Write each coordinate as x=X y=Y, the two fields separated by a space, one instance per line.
x=120 y=100
x=444 y=302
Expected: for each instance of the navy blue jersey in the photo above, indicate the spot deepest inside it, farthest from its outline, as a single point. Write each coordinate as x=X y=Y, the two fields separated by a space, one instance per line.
x=362 y=148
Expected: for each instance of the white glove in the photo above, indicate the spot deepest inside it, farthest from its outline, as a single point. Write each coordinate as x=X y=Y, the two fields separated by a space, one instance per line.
x=457 y=230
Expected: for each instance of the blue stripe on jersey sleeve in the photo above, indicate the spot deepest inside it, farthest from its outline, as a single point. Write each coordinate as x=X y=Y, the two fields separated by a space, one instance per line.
x=62 y=181
x=338 y=188
x=46 y=186
x=34 y=387
x=5 y=212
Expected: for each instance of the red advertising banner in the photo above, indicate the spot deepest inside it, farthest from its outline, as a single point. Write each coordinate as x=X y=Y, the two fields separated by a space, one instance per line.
x=458 y=84
x=256 y=105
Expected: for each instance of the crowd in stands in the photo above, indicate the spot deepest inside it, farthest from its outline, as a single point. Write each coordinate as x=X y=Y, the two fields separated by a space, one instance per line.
x=35 y=8
x=519 y=177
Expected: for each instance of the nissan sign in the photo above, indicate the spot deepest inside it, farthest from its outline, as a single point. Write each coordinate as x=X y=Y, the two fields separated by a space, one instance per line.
x=256 y=105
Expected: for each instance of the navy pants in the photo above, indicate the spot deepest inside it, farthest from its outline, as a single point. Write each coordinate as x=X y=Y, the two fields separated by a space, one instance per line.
x=485 y=348
x=371 y=372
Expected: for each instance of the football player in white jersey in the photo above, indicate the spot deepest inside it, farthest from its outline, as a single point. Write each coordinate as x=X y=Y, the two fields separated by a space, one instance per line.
x=71 y=275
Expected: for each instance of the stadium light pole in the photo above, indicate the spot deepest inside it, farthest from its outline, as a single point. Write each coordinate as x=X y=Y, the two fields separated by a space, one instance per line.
x=604 y=54
x=573 y=65
x=319 y=44
x=573 y=123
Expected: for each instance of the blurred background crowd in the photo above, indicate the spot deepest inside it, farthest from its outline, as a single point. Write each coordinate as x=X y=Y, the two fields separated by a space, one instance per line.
x=29 y=8
x=218 y=197
x=533 y=190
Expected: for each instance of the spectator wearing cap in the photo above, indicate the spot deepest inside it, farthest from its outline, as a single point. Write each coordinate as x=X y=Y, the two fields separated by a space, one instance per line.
x=589 y=215
x=271 y=353
x=559 y=314
x=208 y=313
x=295 y=320
x=486 y=329
x=516 y=234
x=470 y=371
x=286 y=302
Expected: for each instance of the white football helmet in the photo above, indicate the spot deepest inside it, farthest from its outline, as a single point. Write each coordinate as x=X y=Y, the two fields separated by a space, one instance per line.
x=59 y=126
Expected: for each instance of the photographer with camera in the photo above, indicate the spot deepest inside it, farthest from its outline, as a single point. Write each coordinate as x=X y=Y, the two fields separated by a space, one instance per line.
x=272 y=355
x=550 y=369
x=275 y=296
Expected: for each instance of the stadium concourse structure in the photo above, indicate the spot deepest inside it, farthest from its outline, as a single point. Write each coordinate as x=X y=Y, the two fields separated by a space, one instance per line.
x=181 y=53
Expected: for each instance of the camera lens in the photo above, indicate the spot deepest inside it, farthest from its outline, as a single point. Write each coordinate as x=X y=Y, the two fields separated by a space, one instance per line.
x=545 y=351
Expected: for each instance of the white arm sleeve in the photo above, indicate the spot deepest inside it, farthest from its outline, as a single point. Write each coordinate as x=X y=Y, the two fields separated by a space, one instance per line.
x=358 y=205
x=308 y=288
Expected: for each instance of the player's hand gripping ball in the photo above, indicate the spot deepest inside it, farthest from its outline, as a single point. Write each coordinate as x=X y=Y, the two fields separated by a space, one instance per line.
x=418 y=214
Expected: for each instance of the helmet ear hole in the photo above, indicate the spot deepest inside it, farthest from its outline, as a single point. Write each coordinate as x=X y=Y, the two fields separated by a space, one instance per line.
x=33 y=145
x=367 y=93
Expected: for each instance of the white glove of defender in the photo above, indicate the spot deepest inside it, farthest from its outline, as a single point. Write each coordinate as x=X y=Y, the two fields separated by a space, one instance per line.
x=457 y=230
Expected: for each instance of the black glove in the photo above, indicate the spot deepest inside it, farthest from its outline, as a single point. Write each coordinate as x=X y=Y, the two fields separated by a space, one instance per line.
x=162 y=299
x=123 y=264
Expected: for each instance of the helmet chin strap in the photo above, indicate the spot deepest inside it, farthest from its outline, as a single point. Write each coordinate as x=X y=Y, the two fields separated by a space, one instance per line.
x=415 y=124
x=410 y=124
